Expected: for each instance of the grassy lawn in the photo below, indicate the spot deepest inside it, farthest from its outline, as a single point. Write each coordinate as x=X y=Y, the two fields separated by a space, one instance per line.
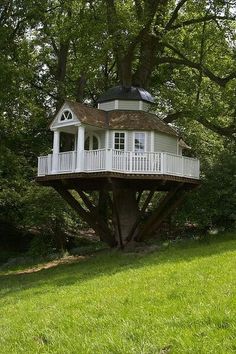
x=181 y=299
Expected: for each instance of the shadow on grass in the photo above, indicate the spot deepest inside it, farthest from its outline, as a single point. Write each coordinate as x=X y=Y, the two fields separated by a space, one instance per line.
x=108 y=263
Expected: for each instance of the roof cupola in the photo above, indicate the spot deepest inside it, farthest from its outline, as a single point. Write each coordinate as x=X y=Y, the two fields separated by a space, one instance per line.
x=125 y=98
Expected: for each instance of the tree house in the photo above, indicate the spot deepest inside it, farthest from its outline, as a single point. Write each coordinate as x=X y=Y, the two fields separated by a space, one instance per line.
x=120 y=150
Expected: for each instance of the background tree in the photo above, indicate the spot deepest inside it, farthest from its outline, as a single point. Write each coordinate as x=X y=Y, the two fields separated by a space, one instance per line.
x=182 y=51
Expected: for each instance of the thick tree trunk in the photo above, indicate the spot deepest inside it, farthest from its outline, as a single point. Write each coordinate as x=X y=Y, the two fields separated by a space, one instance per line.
x=125 y=213
x=127 y=222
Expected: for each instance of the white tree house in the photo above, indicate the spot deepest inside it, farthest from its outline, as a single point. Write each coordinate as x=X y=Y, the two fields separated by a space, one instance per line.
x=119 y=146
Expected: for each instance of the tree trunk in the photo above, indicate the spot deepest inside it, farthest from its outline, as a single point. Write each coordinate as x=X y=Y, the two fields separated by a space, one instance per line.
x=125 y=213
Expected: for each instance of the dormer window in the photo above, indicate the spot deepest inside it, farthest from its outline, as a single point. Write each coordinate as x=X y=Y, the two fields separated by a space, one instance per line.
x=66 y=115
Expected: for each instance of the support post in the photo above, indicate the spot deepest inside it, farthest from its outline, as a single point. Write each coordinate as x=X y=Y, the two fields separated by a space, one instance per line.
x=117 y=216
x=163 y=163
x=108 y=160
x=80 y=149
x=99 y=226
x=166 y=206
x=108 y=153
x=49 y=164
x=140 y=215
x=56 y=149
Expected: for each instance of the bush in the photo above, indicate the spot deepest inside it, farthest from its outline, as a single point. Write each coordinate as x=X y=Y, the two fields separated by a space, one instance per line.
x=213 y=205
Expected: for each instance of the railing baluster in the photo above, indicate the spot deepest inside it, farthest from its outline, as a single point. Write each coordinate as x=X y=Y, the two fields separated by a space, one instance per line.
x=123 y=161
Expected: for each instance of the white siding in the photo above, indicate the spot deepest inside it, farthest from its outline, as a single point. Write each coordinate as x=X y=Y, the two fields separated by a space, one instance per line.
x=110 y=139
x=165 y=143
x=180 y=152
x=129 y=141
x=162 y=142
x=125 y=105
x=148 y=142
x=101 y=135
x=129 y=105
x=107 y=106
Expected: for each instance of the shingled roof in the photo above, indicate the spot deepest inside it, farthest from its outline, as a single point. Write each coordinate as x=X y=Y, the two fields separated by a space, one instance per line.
x=138 y=120
x=87 y=114
x=120 y=119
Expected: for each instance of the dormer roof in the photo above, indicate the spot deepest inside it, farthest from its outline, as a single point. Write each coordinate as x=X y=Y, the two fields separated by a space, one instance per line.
x=132 y=93
x=118 y=119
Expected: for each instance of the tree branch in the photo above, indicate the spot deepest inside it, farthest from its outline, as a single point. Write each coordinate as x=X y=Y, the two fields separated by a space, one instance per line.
x=229 y=132
x=171 y=117
x=199 y=20
x=174 y=15
x=41 y=88
x=139 y=9
x=187 y=62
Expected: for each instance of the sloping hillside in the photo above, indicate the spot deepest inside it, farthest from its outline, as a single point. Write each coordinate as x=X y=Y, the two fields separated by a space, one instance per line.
x=176 y=300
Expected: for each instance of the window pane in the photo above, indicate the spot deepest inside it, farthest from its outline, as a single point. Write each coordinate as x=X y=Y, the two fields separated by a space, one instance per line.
x=86 y=144
x=119 y=141
x=95 y=143
x=139 y=142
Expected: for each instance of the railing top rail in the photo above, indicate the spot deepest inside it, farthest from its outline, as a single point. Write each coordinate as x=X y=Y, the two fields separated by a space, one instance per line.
x=175 y=155
x=90 y=151
x=66 y=152
x=43 y=157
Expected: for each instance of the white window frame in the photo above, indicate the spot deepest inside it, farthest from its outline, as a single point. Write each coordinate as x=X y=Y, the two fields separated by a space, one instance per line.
x=66 y=119
x=125 y=139
x=145 y=141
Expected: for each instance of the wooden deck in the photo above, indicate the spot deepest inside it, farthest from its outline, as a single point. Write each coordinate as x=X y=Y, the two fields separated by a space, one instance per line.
x=103 y=180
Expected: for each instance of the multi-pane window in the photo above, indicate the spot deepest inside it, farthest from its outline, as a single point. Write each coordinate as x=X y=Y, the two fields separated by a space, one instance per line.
x=139 y=142
x=119 y=141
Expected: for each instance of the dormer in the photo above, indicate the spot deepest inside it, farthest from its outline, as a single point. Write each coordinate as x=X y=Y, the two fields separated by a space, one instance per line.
x=64 y=118
x=125 y=98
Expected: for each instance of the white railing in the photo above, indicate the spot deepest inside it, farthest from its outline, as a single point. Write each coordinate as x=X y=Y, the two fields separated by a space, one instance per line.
x=119 y=161
x=94 y=160
x=44 y=165
x=66 y=161
x=136 y=162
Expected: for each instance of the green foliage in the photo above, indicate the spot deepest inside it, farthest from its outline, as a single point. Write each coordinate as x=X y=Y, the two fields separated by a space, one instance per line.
x=213 y=205
x=56 y=49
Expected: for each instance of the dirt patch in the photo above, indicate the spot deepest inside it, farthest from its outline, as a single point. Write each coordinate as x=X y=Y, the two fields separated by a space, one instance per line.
x=52 y=264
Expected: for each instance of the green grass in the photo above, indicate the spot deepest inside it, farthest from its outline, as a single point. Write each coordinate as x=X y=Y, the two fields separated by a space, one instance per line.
x=178 y=300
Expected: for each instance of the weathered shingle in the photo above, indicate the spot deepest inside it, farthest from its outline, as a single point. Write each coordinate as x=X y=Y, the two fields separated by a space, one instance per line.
x=138 y=120
x=88 y=115
x=120 y=119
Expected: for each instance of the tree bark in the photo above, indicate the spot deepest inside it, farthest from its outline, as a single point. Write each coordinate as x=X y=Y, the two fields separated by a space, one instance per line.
x=127 y=205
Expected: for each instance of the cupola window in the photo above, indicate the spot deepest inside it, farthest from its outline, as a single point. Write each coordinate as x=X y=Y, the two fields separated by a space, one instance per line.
x=66 y=115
